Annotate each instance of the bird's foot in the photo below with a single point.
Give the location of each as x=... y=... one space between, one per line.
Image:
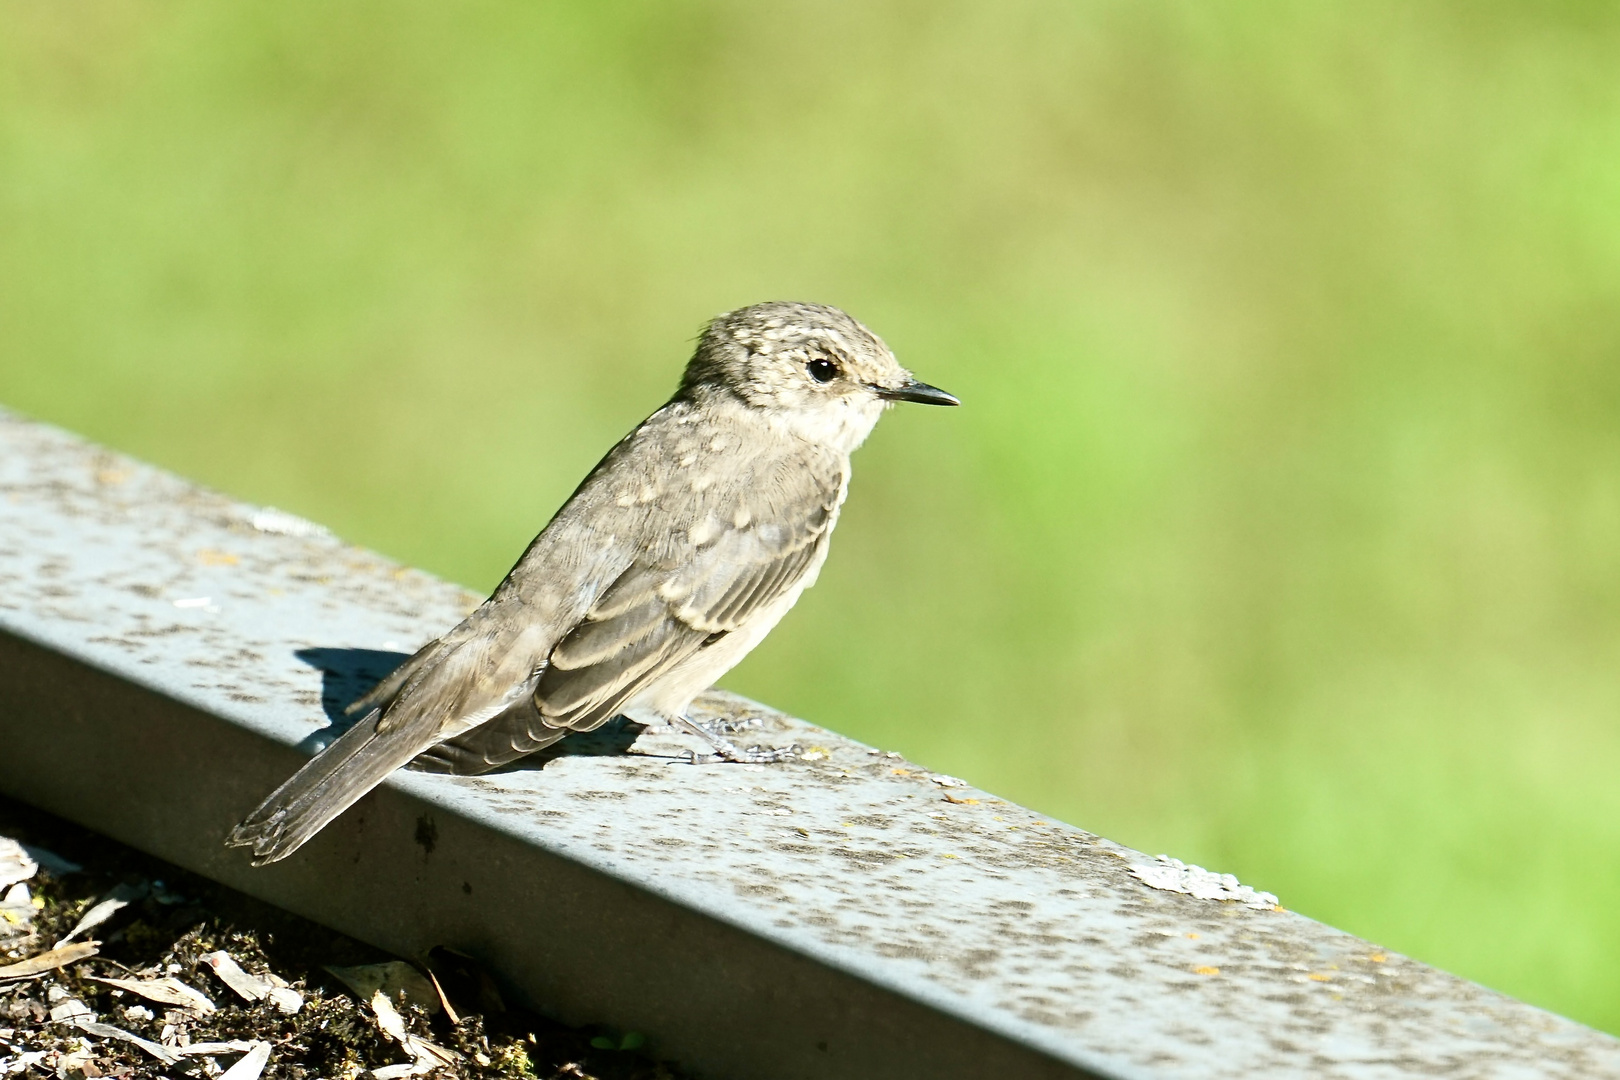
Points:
x=715 y=732
x=754 y=755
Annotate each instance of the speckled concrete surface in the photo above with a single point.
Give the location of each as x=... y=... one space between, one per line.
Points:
x=845 y=915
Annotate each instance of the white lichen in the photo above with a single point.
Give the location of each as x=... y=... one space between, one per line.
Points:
x=270 y=520
x=1173 y=875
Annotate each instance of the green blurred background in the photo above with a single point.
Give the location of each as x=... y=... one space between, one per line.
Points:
x=1281 y=528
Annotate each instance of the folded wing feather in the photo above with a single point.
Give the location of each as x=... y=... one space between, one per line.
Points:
x=657 y=613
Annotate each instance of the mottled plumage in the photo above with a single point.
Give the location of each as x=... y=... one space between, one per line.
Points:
x=675 y=557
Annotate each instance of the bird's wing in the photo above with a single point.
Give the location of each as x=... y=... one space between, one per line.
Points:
x=735 y=552
x=653 y=618
x=744 y=548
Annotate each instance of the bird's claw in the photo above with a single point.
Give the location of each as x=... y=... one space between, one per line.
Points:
x=714 y=733
x=754 y=755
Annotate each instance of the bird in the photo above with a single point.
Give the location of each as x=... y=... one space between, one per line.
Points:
x=670 y=562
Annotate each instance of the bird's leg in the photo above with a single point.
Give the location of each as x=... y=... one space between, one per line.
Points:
x=726 y=750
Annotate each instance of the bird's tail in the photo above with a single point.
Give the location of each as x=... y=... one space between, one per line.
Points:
x=325 y=787
x=469 y=676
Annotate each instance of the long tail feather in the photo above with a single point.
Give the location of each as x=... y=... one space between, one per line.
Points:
x=468 y=677
x=325 y=787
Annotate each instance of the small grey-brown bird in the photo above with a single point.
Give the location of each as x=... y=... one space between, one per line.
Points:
x=674 y=558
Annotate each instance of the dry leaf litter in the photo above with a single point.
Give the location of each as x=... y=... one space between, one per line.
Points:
x=114 y=964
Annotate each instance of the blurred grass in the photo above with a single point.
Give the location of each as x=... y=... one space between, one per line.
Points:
x=1281 y=530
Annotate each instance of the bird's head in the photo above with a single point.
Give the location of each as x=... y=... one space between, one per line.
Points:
x=812 y=367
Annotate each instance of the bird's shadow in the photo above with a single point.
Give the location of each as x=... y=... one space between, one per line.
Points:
x=347 y=674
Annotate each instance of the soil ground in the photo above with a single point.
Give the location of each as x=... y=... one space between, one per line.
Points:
x=181 y=917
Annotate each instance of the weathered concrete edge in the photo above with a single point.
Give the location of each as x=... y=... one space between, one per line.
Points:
x=94 y=547
x=701 y=974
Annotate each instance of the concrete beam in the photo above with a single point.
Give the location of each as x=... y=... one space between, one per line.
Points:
x=167 y=655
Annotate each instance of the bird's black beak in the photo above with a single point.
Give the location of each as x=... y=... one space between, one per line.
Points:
x=920 y=392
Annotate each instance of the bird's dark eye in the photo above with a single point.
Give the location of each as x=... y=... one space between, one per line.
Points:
x=822 y=370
